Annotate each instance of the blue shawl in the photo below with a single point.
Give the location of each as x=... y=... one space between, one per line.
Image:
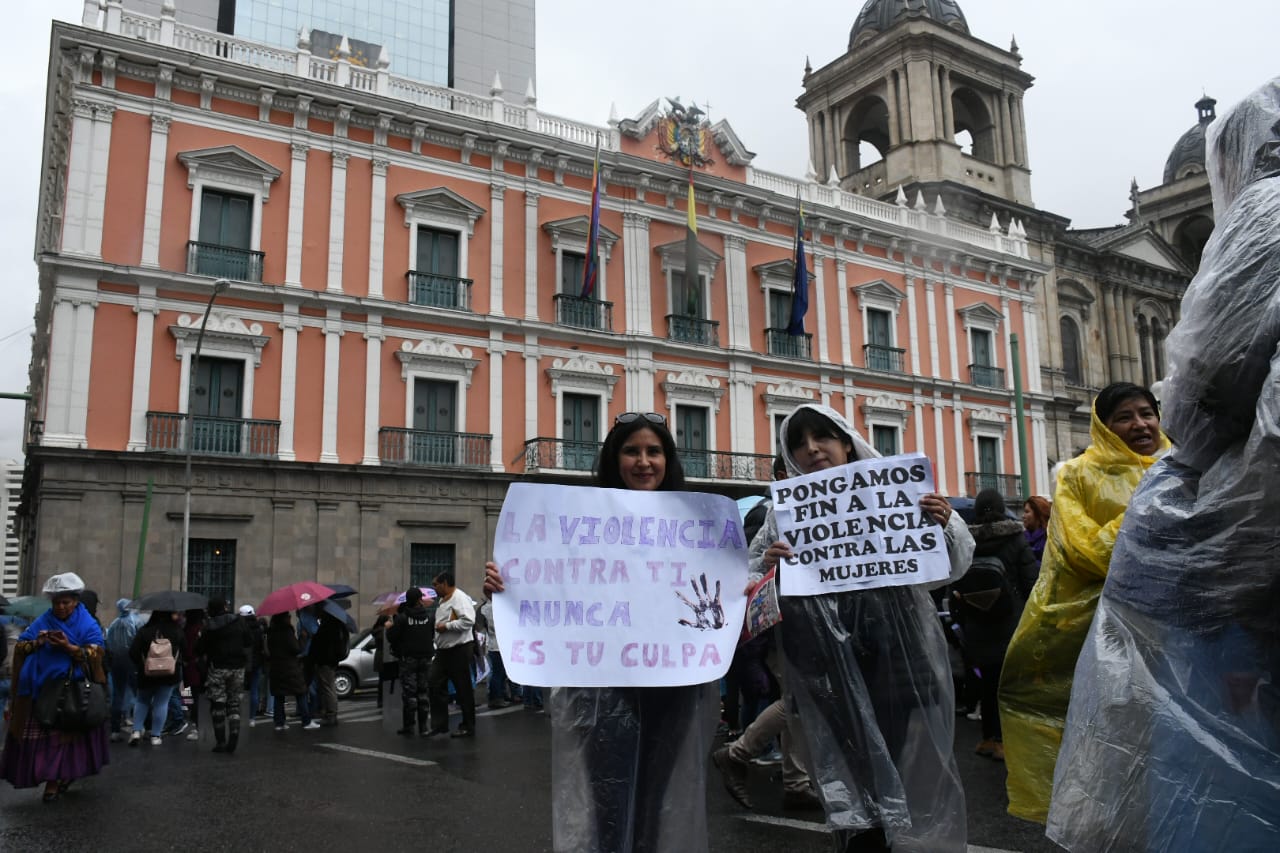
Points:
x=49 y=662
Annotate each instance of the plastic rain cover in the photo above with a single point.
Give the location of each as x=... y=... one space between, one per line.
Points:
x=870 y=678
x=1173 y=736
x=629 y=768
x=1089 y=502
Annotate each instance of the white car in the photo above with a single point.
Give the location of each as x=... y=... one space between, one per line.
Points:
x=356 y=672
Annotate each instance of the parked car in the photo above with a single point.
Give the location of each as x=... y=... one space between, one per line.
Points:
x=355 y=672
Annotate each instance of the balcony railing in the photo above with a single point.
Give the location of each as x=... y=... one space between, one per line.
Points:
x=584 y=313
x=554 y=454
x=439 y=291
x=400 y=446
x=1008 y=485
x=692 y=330
x=887 y=359
x=223 y=262
x=243 y=437
x=788 y=345
x=986 y=375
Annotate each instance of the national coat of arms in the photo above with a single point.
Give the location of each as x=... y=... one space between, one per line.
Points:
x=684 y=135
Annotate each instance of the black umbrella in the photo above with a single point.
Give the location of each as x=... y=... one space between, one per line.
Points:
x=170 y=599
x=331 y=607
x=341 y=590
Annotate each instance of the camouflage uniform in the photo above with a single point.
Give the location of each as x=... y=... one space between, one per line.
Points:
x=224 y=688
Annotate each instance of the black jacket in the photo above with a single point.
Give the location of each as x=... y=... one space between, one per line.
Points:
x=257 y=642
x=225 y=642
x=158 y=624
x=331 y=642
x=413 y=634
x=986 y=641
x=284 y=665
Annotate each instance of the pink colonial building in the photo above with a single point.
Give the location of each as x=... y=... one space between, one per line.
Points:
x=398 y=330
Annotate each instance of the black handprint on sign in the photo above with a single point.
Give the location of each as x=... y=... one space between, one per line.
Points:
x=708 y=612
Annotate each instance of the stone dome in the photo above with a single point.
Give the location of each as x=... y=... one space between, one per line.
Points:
x=878 y=16
x=1187 y=156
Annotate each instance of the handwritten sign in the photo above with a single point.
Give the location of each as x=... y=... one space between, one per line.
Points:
x=606 y=587
x=859 y=526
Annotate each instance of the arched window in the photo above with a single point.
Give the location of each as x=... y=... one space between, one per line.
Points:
x=1071 y=365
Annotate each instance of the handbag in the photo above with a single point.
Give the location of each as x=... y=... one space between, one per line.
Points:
x=72 y=704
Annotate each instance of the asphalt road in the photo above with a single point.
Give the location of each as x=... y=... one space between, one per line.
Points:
x=355 y=787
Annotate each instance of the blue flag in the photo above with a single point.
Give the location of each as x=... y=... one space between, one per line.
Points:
x=800 y=284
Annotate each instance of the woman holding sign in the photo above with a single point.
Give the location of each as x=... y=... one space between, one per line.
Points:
x=629 y=763
x=869 y=673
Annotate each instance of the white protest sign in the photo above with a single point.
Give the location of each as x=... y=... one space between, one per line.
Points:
x=859 y=526
x=615 y=588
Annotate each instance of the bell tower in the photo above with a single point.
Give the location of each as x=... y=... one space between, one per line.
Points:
x=917 y=100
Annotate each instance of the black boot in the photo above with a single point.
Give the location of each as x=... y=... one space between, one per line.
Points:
x=406 y=720
x=423 y=721
x=233 y=735
x=219 y=735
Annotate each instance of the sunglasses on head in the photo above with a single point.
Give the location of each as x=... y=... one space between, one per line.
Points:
x=651 y=417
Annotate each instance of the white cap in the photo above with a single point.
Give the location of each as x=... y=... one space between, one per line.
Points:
x=63 y=583
x=246 y=609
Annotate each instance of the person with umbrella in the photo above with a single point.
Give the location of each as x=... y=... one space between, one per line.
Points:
x=328 y=647
x=63 y=640
x=284 y=667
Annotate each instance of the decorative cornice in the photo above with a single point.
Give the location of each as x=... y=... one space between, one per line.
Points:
x=786 y=394
x=436 y=355
x=694 y=384
x=580 y=373
x=223 y=331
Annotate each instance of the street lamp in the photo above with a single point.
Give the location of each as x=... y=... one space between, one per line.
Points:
x=218 y=287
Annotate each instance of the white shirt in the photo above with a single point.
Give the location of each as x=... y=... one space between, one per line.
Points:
x=457 y=613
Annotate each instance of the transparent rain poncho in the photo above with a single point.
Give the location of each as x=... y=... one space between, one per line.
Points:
x=1089 y=503
x=869 y=675
x=1172 y=742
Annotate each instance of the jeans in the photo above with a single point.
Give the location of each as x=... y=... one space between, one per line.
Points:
x=176 y=713
x=156 y=701
x=124 y=689
x=304 y=710
x=252 y=680
x=497 y=679
x=4 y=695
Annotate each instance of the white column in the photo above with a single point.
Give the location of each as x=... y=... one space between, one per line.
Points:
x=290 y=325
x=329 y=412
x=377 y=228
x=913 y=327
x=917 y=411
x=820 y=297
x=297 y=208
x=737 y=280
x=497 y=233
x=147 y=311
x=846 y=339
x=1008 y=345
x=1040 y=484
x=940 y=450
x=531 y=355
x=949 y=322
x=497 y=388
x=1031 y=326
x=531 y=258
x=957 y=412
x=742 y=417
x=931 y=315
x=337 y=220
x=79 y=163
x=635 y=273
x=95 y=207
x=157 y=157
x=373 y=338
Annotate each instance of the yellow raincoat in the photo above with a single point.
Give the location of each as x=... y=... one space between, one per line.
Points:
x=1035 y=685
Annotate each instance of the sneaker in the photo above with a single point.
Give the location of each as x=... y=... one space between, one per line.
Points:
x=463 y=731
x=769 y=759
x=975 y=715
x=734 y=772
x=135 y=738
x=116 y=737
x=155 y=741
x=801 y=799
x=194 y=734
x=252 y=722
x=279 y=728
x=178 y=729
x=311 y=726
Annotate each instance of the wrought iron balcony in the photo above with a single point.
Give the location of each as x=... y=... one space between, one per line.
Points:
x=1008 y=485
x=439 y=291
x=789 y=346
x=887 y=359
x=583 y=313
x=692 y=330
x=554 y=454
x=400 y=446
x=246 y=438
x=223 y=262
x=986 y=375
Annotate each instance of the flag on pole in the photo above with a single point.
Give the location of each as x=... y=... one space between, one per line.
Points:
x=591 y=268
x=800 y=282
x=691 y=283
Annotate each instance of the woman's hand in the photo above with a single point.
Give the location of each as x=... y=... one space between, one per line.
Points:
x=938 y=507
x=776 y=553
x=492 y=578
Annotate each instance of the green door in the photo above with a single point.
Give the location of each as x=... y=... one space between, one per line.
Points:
x=226 y=228
x=581 y=431
x=434 y=422
x=216 y=406
x=691 y=440
x=436 y=283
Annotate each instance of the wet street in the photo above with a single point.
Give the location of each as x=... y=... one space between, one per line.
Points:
x=355 y=787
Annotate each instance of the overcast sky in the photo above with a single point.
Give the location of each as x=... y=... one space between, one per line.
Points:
x=1116 y=81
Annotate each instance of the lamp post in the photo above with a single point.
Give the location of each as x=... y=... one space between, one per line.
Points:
x=218 y=287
